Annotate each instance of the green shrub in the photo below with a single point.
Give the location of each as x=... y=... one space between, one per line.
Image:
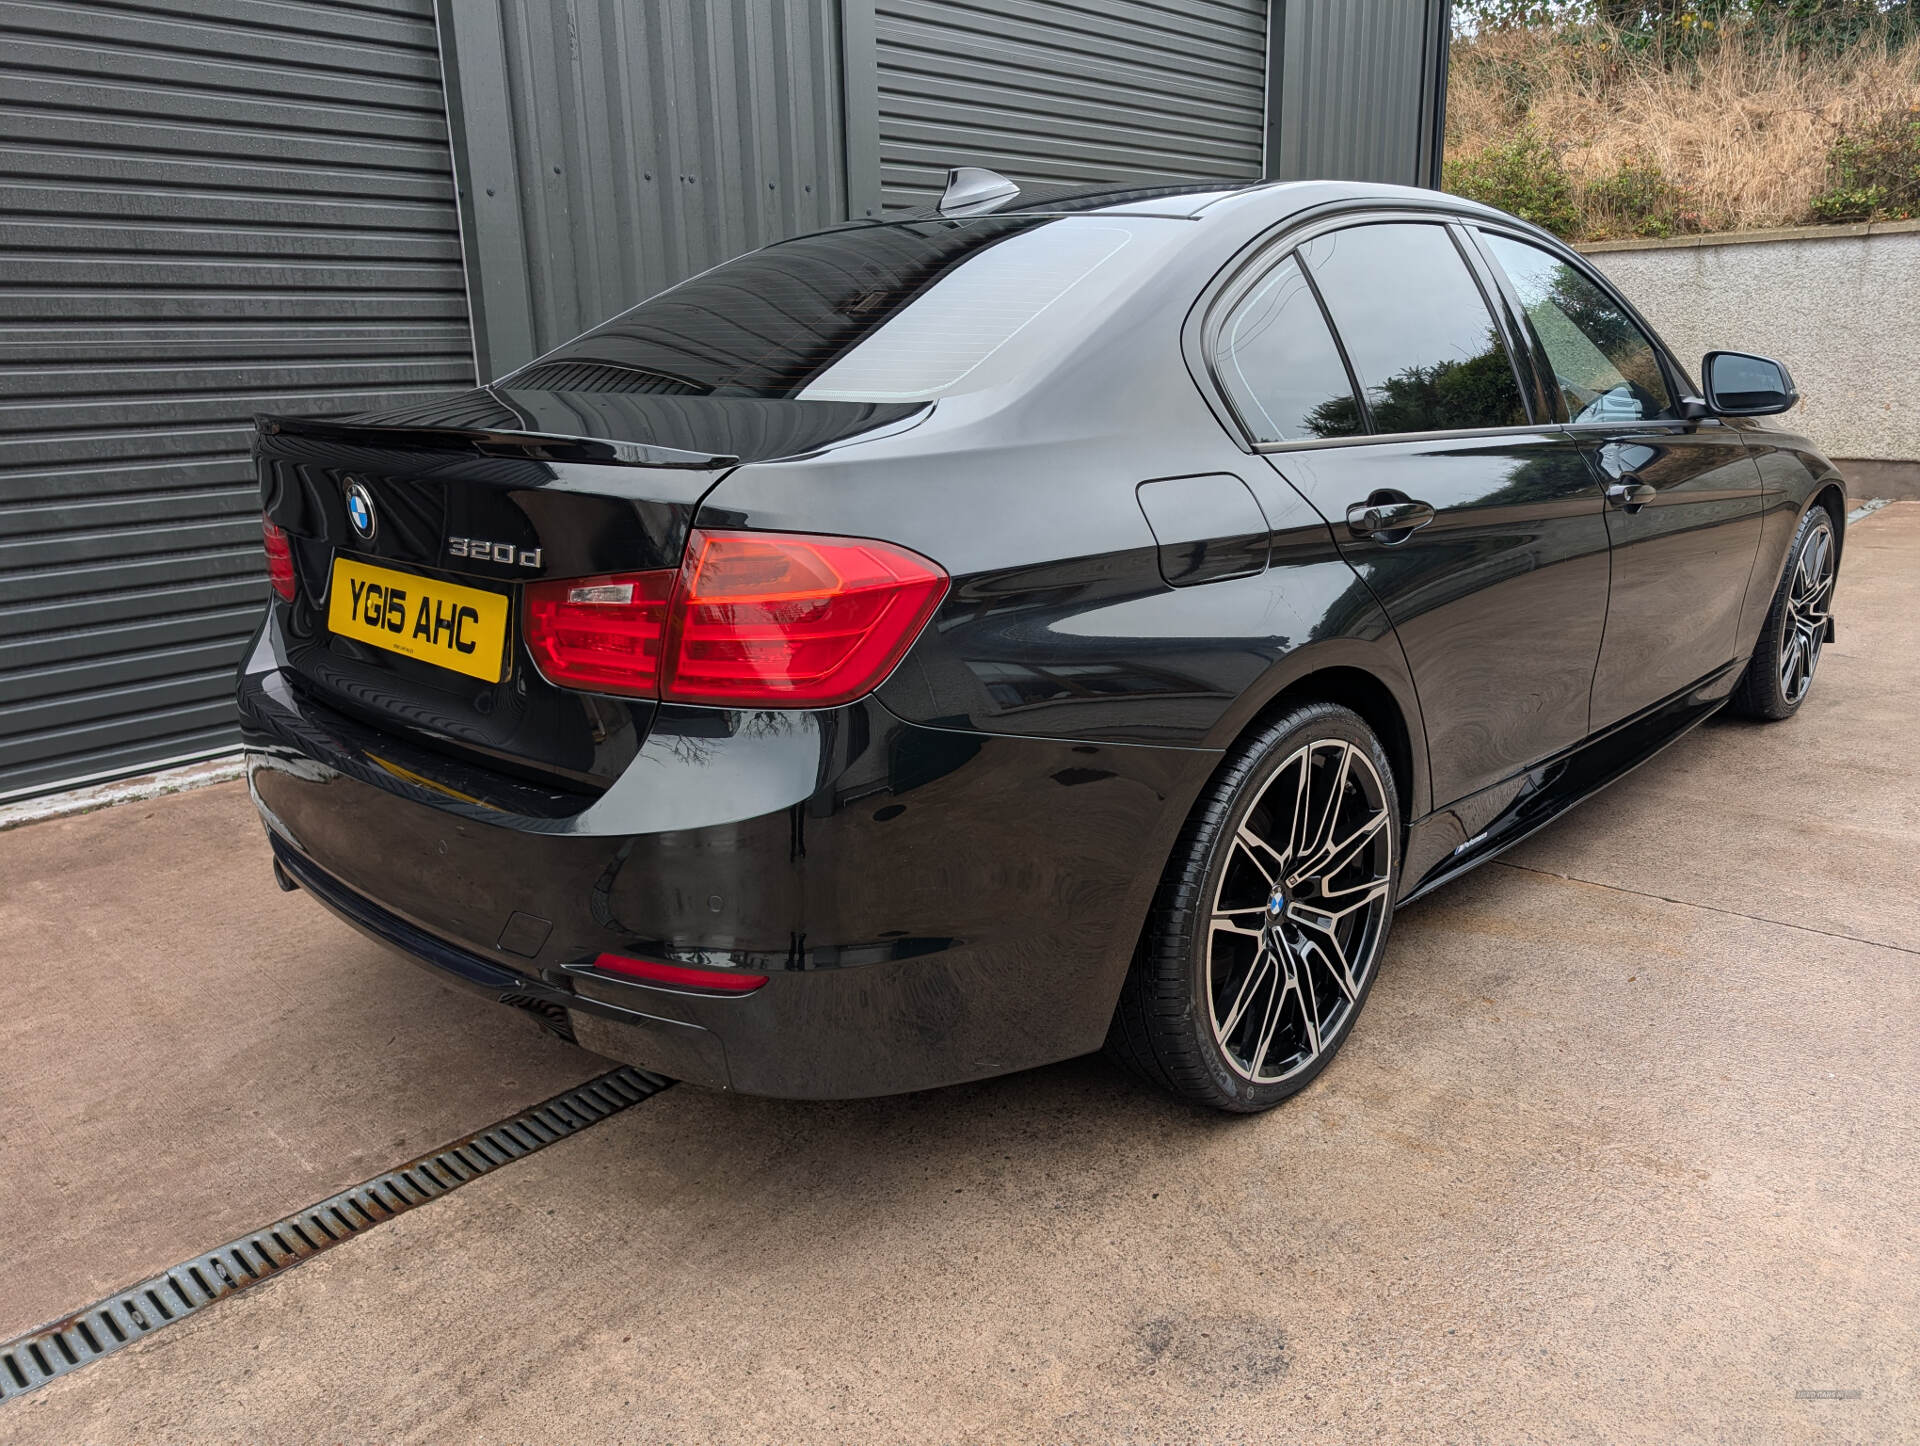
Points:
x=1840 y=204
x=1523 y=176
x=1873 y=172
x=1671 y=32
x=1638 y=199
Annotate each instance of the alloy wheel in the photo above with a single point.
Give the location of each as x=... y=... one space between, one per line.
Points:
x=1809 y=601
x=1299 y=912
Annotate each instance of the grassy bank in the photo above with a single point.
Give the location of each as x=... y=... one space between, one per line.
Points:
x=1595 y=136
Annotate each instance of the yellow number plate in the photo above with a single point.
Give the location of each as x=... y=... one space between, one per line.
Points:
x=463 y=628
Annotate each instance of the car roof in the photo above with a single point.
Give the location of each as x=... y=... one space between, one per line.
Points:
x=1194 y=200
x=1134 y=197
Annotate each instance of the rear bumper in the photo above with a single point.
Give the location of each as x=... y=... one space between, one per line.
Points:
x=929 y=905
x=684 y=1051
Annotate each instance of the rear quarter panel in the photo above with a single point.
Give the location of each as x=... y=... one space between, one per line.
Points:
x=1059 y=622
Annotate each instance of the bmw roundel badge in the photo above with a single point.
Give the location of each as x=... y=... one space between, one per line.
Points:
x=360 y=510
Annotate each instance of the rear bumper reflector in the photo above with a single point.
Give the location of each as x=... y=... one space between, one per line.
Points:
x=678 y=976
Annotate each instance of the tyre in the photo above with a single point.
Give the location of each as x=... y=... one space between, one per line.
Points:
x=1270 y=920
x=1780 y=672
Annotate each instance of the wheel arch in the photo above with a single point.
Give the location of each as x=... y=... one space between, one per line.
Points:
x=1829 y=493
x=1360 y=691
x=1832 y=495
x=1367 y=676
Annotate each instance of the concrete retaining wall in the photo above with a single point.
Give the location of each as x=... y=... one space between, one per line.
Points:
x=1840 y=305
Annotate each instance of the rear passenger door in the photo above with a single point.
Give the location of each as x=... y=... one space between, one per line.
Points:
x=1409 y=426
x=1683 y=495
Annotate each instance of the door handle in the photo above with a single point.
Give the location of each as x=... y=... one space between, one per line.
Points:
x=1387 y=522
x=1629 y=496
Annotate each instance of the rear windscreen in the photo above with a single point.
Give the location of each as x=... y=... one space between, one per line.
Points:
x=898 y=312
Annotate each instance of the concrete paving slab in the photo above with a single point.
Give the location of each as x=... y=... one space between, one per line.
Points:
x=190 y=1053
x=1603 y=1162
x=1593 y=1168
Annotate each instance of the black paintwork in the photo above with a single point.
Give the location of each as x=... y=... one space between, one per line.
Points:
x=1680 y=561
x=947 y=879
x=1499 y=602
x=912 y=891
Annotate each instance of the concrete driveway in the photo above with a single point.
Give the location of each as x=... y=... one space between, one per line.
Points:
x=1622 y=1150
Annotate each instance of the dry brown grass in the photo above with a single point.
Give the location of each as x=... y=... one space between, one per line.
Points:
x=1744 y=125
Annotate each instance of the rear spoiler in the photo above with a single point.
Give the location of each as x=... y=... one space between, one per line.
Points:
x=493 y=442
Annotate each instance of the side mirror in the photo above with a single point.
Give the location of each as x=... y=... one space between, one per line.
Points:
x=1739 y=385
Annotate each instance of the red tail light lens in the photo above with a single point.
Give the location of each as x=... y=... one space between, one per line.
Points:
x=679 y=976
x=751 y=619
x=791 y=620
x=279 y=557
x=600 y=634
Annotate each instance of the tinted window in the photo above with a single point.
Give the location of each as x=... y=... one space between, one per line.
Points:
x=1416 y=329
x=1607 y=369
x=974 y=310
x=931 y=301
x=1277 y=360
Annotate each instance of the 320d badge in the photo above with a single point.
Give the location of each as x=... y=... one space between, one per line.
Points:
x=954 y=642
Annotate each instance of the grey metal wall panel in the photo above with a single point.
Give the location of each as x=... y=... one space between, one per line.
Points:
x=609 y=149
x=208 y=209
x=1071 y=91
x=1360 y=89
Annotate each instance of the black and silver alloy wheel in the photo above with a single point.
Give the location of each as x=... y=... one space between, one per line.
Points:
x=1780 y=672
x=1809 y=598
x=1303 y=893
x=1271 y=917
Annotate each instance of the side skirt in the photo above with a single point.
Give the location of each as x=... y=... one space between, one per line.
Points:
x=1449 y=841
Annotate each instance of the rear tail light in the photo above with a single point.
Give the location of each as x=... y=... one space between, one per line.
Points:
x=279 y=557
x=601 y=634
x=750 y=619
x=679 y=976
x=779 y=618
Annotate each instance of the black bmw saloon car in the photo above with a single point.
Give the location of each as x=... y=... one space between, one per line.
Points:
x=954 y=642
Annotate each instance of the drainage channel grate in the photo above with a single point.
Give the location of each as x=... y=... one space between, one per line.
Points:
x=31 y=1360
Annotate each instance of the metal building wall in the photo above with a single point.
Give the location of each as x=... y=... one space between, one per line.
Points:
x=208 y=209
x=609 y=149
x=1068 y=91
x=213 y=208
x=1359 y=90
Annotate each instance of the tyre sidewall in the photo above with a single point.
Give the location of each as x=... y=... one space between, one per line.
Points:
x=1763 y=696
x=1262 y=758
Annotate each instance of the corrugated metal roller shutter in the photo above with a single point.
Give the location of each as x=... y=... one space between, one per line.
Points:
x=1044 y=90
x=1360 y=90
x=211 y=208
x=644 y=142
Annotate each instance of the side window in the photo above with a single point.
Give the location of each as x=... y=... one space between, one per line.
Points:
x=1607 y=369
x=1276 y=359
x=1416 y=328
